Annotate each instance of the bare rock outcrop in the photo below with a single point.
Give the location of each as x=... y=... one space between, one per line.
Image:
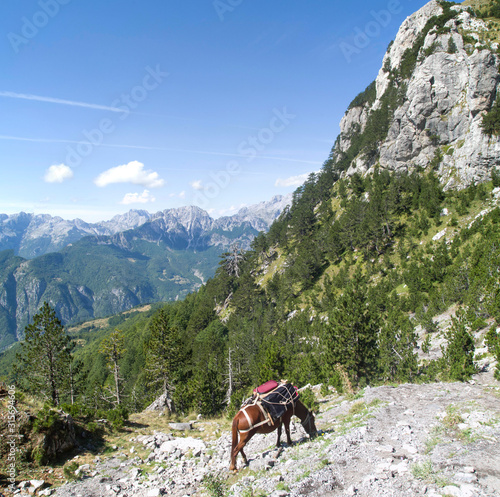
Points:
x=440 y=104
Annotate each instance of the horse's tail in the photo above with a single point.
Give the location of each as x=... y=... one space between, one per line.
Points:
x=234 y=430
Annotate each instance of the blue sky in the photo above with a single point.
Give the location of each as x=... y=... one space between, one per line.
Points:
x=154 y=104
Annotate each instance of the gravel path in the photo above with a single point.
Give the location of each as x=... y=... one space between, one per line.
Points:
x=409 y=440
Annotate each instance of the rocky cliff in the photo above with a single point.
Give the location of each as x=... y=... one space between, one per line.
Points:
x=439 y=78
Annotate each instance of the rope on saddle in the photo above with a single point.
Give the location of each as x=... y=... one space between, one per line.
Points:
x=288 y=396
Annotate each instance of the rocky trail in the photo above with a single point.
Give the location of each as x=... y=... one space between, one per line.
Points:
x=406 y=440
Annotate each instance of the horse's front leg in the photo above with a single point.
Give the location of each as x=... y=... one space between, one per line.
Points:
x=286 y=422
x=278 y=442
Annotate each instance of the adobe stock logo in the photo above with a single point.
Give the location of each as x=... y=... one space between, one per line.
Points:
x=223 y=6
x=362 y=37
x=248 y=150
x=31 y=27
x=122 y=106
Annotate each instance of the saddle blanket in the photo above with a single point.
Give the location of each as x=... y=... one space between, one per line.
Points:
x=280 y=400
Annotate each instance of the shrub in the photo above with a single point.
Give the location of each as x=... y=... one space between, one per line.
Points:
x=215 y=485
x=117 y=416
x=308 y=398
x=69 y=470
x=46 y=418
x=491 y=120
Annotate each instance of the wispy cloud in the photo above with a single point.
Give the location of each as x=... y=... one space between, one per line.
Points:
x=133 y=172
x=180 y=195
x=292 y=180
x=165 y=149
x=38 y=98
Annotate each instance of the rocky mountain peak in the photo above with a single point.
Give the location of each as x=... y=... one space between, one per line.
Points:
x=31 y=235
x=439 y=78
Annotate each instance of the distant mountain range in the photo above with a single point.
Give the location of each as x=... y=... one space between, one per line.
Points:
x=89 y=270
x=30 y=235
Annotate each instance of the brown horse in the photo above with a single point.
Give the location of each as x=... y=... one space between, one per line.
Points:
x=256 y=422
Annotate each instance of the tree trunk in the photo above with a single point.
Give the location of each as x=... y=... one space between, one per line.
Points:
x=117 y=384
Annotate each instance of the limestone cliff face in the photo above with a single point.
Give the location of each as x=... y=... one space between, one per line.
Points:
x=440 y=102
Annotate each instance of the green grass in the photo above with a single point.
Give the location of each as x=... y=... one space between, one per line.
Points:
x=425 y=471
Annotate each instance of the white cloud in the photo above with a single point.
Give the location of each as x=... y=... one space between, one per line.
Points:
x=292 y=181
x=133 y=172
x=58 y=173
x=178 y=195
x=138 y=198
x=197 y=185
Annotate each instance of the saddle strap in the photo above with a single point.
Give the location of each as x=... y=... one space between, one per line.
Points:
x=267 y=417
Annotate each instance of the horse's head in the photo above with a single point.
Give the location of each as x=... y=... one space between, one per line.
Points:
x=309 y=424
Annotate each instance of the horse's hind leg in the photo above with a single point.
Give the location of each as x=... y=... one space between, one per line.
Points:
x=286 y=422
x=278 y=441
x=243 y=455
x=239 y=449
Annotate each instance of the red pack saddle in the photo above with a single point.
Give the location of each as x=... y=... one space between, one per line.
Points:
x=266 y=387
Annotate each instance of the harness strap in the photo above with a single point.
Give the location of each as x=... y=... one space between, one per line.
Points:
x=244 y=411
x=267 y=419
x=254 y=426
x=265 y=413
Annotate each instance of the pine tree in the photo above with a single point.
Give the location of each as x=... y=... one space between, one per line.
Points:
x=163 y=355
x=397 y=340
x=272 y=365
x=43 y=362
x=351 y=333
x=458 y=357
x=113 y=349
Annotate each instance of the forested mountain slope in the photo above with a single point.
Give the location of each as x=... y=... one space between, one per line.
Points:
x=168 y=255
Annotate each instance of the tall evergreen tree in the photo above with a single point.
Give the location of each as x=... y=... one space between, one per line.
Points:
x=398 y=360
x=43 y=362
x=351 y=333
x=163 y=355
x=458 y=357
x=113 y=349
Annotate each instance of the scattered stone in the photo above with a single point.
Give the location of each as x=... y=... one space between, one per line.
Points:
x=351 y=490
x=180 y=426
x=450 y=490
x=37 y=484
x=410 y=449
x=183 y=445
x=465 y=477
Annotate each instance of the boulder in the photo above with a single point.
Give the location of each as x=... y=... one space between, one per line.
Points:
x=180 y=426
x=184 y=445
